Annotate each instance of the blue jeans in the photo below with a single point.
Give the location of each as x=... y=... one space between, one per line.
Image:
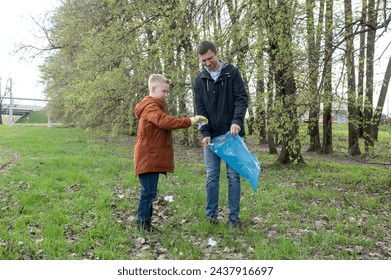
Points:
x=148 y=194
x=212 y=163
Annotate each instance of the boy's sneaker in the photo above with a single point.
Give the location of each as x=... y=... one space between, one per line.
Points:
x=145 y=226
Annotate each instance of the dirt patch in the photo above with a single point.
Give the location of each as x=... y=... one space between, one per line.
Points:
x=10 y=164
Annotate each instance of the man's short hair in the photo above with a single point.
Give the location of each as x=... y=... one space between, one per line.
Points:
x=204 y=46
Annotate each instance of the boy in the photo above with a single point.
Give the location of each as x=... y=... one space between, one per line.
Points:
x=153 y=152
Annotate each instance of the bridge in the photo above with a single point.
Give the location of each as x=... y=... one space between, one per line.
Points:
x=18 y=109
x=13 y=109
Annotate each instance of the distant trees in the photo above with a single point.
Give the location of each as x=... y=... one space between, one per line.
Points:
x=298 y=58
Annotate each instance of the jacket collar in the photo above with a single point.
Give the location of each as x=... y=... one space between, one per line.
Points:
x=206 y=75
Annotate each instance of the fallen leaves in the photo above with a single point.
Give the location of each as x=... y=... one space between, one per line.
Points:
x=76 y=187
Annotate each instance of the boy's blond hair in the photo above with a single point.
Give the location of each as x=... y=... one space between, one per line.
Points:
x=157 y=78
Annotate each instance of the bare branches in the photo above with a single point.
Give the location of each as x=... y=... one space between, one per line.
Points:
x=38 y=50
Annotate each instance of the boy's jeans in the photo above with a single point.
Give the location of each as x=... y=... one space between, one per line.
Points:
x=148 y=194
x=212 y=163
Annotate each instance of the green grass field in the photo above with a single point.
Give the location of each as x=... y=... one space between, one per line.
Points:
x=70 y=194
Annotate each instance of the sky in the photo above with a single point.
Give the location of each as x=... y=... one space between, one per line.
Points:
x=16 y=26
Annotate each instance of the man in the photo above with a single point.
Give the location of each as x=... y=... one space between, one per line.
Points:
x=221 y=97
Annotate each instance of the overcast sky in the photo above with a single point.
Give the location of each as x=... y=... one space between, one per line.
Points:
x=16 y=26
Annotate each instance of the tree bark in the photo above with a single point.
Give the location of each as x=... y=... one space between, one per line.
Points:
x=368 y=103
x=327 y=146
x=382 y=99
x=286 y=88
x=361 y=68
x=271 y=121
x=354 y=148
x=260 y=108
x=313 y=62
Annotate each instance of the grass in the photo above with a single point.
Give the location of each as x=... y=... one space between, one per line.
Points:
x=70 y=194
x=34 y=117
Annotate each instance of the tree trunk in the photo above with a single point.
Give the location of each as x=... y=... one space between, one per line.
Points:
x=1 y=108
x=313 y=62
x=327 y=147
x=361 y=68
x=271 y=120
x=291 y=147
x=368 y=104
x=260 y=112
x=382 y=99
x=286 y=87
x=271 y=115
x=354 y=148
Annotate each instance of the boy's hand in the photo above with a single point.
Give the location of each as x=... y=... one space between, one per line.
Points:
x=197 y=119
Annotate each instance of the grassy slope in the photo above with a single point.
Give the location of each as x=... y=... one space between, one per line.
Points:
x=34 y=117
x=72 y=195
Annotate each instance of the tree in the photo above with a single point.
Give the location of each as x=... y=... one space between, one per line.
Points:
x=353 y=148
x=382 y=99
x=368 y=102
x=327 y=145
x=313 y=52
x=361 y=67
x=285 y=83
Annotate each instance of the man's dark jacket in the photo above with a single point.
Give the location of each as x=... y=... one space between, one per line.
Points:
x=223 y=102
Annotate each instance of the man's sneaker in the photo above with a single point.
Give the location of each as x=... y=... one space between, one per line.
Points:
x=213 y=221
x=233 y=224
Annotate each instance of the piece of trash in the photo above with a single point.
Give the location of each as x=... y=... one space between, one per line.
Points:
x=201 y=124
x=169 y=198
x=212 y=242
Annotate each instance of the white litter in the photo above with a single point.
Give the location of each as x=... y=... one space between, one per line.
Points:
x=169 y=198
x=212 y=242
x=201 y=124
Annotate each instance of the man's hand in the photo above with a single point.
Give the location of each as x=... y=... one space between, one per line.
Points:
x=235 y=129
x=206 y=141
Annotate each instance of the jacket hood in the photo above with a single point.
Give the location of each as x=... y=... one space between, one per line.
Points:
x=206 y=72
x=147 y=100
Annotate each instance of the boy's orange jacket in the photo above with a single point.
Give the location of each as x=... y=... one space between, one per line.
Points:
x=154 y=150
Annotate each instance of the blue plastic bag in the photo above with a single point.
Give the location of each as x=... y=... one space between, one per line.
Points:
x=235 y=153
